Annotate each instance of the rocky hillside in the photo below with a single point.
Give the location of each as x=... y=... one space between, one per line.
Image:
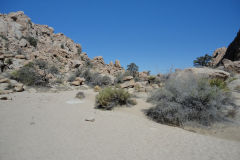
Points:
x=229 y=57
x=22 y=41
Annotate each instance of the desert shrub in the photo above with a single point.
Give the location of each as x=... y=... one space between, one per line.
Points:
x=8 y=61
x=109 y=98
x=62 y=46
x=4 y=37
x=53 y=70
x=218 y=83
x=42 y=64
x=79 y=51
x=237 y=88
x=103 y=81
x=120 y=76
x=88 y=64
x=31 y=40
x=80 y=95
x=132 y=68
x=202 y=61
x=28 y=75
x=189 y=99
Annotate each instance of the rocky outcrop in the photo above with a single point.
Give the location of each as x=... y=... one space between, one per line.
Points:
x=233 y=50
x=205 y=72
x=218 y=55
x=231 y=66
x=22 y=41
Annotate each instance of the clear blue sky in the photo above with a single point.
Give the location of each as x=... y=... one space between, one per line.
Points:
x=155 y=34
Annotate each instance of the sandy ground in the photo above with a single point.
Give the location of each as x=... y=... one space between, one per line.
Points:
x=52 y=126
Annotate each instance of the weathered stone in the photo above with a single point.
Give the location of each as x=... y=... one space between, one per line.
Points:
x=205 y=72
x=80 y=95
x=75 y=83
x=128 y=84
x=23 y=43
x=128 y=78
x=19 y=87
x=4 y=80
x=81 y=80
x=218 y=55
x=20 y=56
x=117 y=63
x=231 y=66
x=5 y=98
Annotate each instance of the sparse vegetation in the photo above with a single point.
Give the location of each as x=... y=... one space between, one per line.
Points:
x=108 y=98
x=28 y=75
x=4 y=37
x=218 y=83
x=53 y=70
x=202 y=61
x=31 y=40
x=42 y=64
x=120 y=76
x=62 y=46
x=92 y=78
x=80 y=95
x=79 y=51
x=190 y=99
x=132 y=68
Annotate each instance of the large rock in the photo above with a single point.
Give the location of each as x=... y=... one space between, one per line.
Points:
x=128 y=84
x=75 y=83
x=218 y=55
x=205 y=72
x=127 y=78
x=231 y=66
x=233 y=50
x=19 y=87
x=117 y=63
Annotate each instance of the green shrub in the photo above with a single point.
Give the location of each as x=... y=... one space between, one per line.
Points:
x=188 y=99
x=79 y=51
x=28 y=75
x=53 y=70
x=120 y=76
x=218 y=83
x=42 y=64
x=109 y=98
x=4 y=37
x=31 y=40
x=8 y=61
x=62 y=46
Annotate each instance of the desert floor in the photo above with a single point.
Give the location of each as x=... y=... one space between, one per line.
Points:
x=53 y=126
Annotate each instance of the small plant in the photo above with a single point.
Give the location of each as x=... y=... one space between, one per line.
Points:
x=53 y=70
x=4 y=37
x=28 y=75
x=79 y=51
x=31 y=40
x=218 y=83
x=119 y=78
x=88 y=64
x=42 y=64
x=8 y=61
x=108 y=98
x=237 y=88
x=62 y=46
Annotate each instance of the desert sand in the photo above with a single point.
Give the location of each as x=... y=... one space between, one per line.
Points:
x=53 y=126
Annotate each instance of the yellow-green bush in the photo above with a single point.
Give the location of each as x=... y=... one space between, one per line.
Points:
x=111 y=97
x=218 y=83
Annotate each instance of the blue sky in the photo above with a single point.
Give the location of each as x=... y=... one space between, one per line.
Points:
x=154 y=34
